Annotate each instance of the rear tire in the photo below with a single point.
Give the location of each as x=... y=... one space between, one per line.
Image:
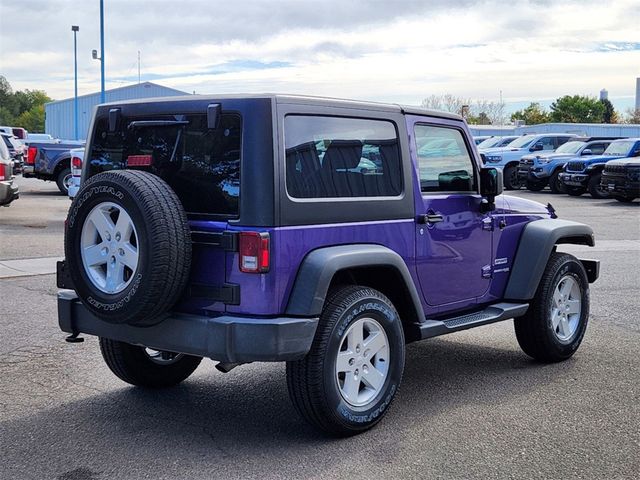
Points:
x=346 y=383
x=555 y=184
x=595 y=188
x=144 y=367
x=511 y=180
x=63 y=180
x=555 y=324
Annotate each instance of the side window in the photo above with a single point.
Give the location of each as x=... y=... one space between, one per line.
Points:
x=561 y=141
x=597 y=148
x=333 y=157
x=443 y=160
x=547 y=143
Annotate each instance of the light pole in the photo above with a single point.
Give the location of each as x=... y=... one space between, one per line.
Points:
x=74 y=29
x=94 y=53
x=101 y=51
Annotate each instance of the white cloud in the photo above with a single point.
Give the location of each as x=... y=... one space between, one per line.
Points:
x=382 y=50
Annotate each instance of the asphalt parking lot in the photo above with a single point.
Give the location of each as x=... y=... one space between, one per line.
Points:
x=472 y=405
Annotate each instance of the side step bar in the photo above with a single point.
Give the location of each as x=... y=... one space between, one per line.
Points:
x=491 y=314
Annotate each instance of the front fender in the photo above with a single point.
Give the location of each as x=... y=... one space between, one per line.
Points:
x=320 y=266
x=537 y=243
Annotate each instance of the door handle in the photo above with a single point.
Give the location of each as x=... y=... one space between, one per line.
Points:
x=430 y=218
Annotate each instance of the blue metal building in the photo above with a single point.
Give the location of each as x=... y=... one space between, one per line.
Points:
x=586 y=129
x=59 y=114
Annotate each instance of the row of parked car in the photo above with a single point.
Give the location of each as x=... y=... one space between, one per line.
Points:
x=35 y=155
x=567 y=163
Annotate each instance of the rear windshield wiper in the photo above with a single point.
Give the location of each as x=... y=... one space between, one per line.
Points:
x=156 y=123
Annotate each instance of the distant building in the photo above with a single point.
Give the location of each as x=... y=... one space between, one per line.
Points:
x=59 y=115
x=604 y=95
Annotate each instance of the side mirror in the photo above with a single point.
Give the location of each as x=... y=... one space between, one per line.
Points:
x=536 y=148
x=587 y=151
x=490 y=185
x=483 y=157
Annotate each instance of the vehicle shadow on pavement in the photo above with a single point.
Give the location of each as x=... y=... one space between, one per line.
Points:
x=246 y=415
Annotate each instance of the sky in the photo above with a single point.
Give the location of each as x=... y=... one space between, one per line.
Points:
x=383 y=50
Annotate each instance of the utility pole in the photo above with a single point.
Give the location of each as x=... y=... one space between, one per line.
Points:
x=138 y=66
x=74 y=29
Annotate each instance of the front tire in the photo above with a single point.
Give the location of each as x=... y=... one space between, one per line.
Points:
x=595 y=189
x=535 y=186
x=624 y=199
x=554 y=326
x=575 y=191
x=555 y=184
x=346 y=383
x=145 y=367
x=511 y=180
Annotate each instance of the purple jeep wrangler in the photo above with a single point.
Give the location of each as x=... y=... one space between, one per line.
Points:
x=324 y=233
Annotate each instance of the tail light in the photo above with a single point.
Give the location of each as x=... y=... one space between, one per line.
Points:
x=3 y=172
x=31 y=155
x=255 y=256
x=139 y=160
x=76 y=166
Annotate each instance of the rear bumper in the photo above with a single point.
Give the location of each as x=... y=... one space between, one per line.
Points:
x=225 y=338
x=8 y=192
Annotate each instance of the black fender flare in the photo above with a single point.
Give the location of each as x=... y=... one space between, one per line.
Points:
x=319 y=267
x=537 y=242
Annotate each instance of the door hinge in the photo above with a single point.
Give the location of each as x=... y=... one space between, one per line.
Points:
x=487 y=271
x=487 y=224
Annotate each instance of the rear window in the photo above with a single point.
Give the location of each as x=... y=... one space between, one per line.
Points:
x=202 y=165
x=334 y=157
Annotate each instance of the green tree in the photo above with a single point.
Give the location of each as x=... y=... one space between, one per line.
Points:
x=577 y=109
x=32 y=119
x=22 y=108
x=610 y=115
x=532 y=115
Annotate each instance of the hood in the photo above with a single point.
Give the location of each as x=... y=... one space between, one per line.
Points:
x=522 y=205
x=597 y=159
x=626 y=162
x=502 y=149
x=552 y=156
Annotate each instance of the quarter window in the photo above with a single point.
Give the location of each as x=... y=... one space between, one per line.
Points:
x=443 y=160
x=328 y=157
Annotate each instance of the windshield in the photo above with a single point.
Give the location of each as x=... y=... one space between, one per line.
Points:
x=489 y=142
x=570 y=147
x=496 y=142
x=522 y=142
x=618 y=148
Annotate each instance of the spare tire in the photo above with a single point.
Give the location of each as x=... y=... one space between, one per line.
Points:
x=128 y=247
